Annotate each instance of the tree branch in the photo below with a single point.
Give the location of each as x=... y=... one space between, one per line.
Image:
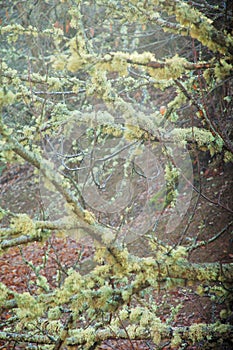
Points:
x=28 y=338
x=159 y=65
x=212 y=239
x=209 y=331
x=199 y=26
x=95 y=230
x=24 y=239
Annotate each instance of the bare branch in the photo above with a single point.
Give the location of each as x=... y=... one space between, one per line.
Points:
x=212 y=239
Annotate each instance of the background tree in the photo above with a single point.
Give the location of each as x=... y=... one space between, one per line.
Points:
x=123 y=108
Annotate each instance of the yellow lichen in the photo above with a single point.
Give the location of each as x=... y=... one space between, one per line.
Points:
x=176 y=339
x=89 y=217
x=197 y=332
x=22 y=223
x=7 y=97
x=28 y=307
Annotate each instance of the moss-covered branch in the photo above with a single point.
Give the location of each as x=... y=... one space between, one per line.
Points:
x=211 y=333
x=27 y=338
x=165 y=266
x=112 y=78
x=192 y=334
x=57 y=181
x=5 y=244
x=198 y=26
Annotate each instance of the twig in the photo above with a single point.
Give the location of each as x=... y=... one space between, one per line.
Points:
x=212 y=239
x=126 y=332
x=59 y=93
x=64 y=333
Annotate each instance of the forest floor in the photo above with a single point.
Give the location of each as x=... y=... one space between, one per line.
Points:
x=20 y=193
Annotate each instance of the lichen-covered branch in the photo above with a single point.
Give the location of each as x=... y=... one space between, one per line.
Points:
x=172 y=265
x=176 y=334
x=5 y=244
x=77 y=93
x=57 y=180
x=28 y=338
x=212 y=239
x=199 y=26
x=213 y=128
x=158 y=65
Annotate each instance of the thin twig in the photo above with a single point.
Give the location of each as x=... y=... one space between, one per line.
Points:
x=212 y=239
